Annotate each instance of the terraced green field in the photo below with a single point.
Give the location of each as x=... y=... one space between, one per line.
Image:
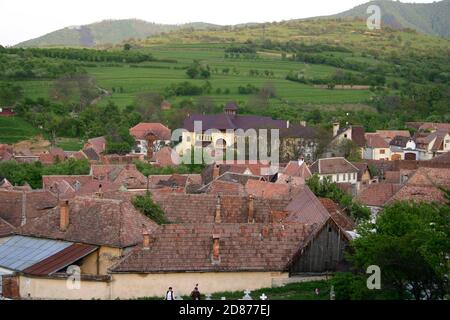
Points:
x=125 y=81
x=15 y=129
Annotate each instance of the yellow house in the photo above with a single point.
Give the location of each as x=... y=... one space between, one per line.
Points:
x=219 y=130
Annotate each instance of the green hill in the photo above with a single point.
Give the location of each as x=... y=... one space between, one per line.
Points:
x=105 y=33
x=429 y=18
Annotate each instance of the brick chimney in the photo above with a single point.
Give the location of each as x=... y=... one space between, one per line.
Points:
x=216 y=171
x=64 y=215
x=216 y=247
x=146 y=240
x=251 y=209
x=100 y=191
x=218 y=217
x=265 y=231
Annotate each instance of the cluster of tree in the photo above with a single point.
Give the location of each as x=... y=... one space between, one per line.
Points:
x=147 y=169
x=340 y=77
x=241 y=49
x=29 y=67
x=298 y=46
x=415 y=103
x=31 y=173
x=409 y=243
x=187 y=88
x=198 y=71
x=326 y=189
x=256 y=73
x=93 y=121
x=10 y=94
x=248 y=89
x=90 y=55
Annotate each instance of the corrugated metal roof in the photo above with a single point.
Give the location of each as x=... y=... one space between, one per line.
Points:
x=61 y=259
x=19 y=252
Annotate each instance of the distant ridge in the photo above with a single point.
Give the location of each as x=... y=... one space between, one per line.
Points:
x=429 y=18
x=106 y=32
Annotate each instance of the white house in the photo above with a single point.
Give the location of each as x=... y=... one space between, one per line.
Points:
x=338 y=170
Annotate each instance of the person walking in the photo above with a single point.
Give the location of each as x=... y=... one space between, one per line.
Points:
x=169 y=294
x=195 y=294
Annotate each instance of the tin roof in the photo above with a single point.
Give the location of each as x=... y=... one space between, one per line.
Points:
x=19 y=252
x=61 y=259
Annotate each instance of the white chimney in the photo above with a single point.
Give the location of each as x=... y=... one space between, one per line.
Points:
x=287 y=124
x=335 y=129
x=301 y=160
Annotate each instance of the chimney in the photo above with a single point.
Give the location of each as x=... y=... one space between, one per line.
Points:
x=265 y=231
x=216 y=171
x=301 y=160
x=100 y=191
x=218 y=218
x=303 y=123
x=251 y=209
x=64 y=218
x=216 y=247
x=335 y=128
x=146 y=240
x=287 y=124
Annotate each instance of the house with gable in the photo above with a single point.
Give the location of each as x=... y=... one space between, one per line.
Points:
x=150 y=138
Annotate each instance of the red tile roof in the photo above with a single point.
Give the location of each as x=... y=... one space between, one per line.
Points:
x=164 y=156
x=98 y=144
x=337 y=214
x=377 y=194
x=374 y=140
x=95 y=221
x=141 y=130
x=6 y=229
x=294 y=169
x=263 y=189
x=225 y=188
x=424 y=186
x=305 y=207
x=391 y=134
x=60 y=260
x=392 y=177
x=18 y=206
x=243 y=247
x=358 y=136
x=332 y=166
x=201 y=208
x=126 y=175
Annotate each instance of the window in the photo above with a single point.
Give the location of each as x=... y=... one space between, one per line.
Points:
x=348 y=177
x=337 y=177
x=382 y=151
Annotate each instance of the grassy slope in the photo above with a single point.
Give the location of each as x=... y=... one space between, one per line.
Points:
x=294 y=291
x=15 y=129
x=208 y=47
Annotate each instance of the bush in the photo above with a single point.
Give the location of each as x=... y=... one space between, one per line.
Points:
x=147 y=206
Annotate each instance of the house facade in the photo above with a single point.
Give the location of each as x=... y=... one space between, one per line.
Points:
x=155 y=135
x=218 y=132
x=338 y=170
